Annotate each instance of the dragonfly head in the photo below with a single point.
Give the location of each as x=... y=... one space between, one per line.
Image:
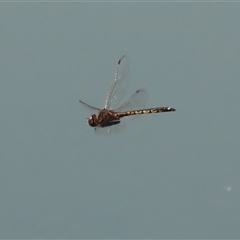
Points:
x=93 y=121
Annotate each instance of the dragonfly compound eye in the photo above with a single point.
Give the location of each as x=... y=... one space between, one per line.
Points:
x=92 y=121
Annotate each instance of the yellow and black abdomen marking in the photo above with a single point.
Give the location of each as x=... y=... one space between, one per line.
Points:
x=146 y=111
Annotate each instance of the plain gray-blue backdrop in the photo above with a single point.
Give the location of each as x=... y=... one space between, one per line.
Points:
x=169 y=175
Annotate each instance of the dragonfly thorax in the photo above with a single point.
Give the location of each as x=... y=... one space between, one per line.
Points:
x=104 y=118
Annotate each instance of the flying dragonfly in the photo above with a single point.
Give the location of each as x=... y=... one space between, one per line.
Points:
x=109 y=119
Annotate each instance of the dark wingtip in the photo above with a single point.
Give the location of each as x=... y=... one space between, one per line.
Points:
x=120 y=60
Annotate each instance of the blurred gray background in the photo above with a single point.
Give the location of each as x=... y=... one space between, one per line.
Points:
x=169 y=175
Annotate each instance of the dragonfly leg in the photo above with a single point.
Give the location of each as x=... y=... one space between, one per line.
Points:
x=111 y=123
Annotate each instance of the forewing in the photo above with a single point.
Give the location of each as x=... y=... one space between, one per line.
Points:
x=119 y=85
x=89 y=108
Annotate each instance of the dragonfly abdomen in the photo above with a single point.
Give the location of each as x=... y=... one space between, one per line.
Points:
x=146 y=111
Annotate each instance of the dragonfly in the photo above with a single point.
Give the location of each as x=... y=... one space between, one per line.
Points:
x=109 y=119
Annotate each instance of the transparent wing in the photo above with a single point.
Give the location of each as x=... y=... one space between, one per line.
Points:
x=119 y=85
x=89 y=107
x=137 y=101
x=112 y=130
